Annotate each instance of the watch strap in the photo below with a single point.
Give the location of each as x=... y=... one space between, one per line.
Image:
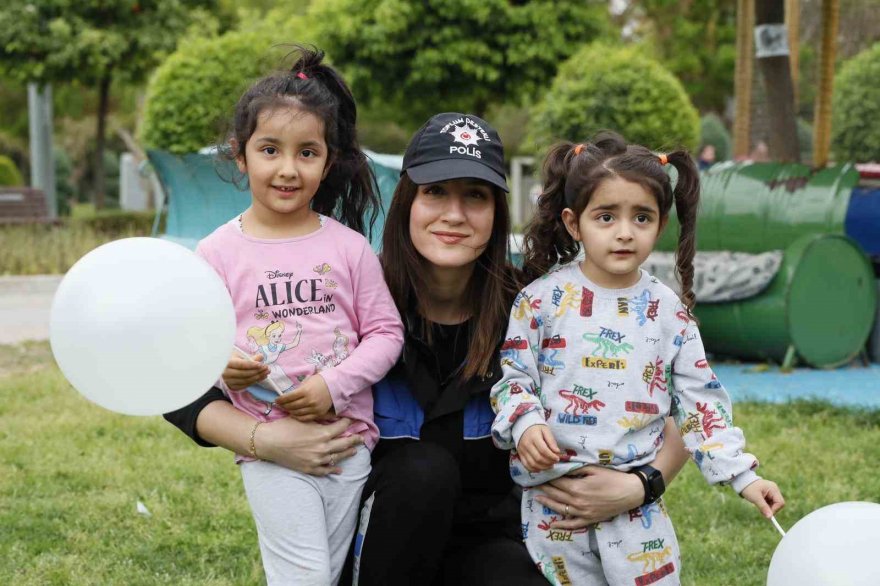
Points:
x=652 y=481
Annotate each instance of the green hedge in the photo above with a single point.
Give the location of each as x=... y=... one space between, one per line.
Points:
x=9 y=173
x=855 y=119
x=191 y=96
x=620 y=89
x=113 y=221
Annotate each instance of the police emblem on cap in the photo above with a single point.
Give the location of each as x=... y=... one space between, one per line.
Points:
x=468 y=133
x=465 y=135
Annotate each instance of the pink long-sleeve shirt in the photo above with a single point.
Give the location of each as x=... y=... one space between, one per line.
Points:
x=312 y=304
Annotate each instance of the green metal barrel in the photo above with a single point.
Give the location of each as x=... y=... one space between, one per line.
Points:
x=756 y=207
x=821 y=303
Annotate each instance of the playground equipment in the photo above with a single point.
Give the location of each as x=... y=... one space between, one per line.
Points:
x=201 y=193
x=819 y=307
x=822 y=302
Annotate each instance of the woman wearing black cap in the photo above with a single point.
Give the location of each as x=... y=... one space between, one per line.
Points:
x=439 y=505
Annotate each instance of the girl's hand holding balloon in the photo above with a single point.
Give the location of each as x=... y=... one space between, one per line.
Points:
x=765 y=495
x=310 y=401
x=243 y=371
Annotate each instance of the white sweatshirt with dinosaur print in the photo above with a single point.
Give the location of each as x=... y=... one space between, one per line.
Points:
x=603 y=368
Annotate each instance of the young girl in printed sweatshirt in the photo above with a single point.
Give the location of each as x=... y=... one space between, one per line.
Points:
x=599 y=352
x=311 y=305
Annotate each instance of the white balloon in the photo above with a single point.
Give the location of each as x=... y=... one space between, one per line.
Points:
x=142 y=326
x=832 y=546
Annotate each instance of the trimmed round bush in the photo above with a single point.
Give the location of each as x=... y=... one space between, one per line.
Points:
x=620 y=89
x=192 y=95
x=713 y=131
x=9 y=173
x=855 y=118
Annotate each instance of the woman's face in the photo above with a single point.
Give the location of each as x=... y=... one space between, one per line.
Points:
x=450 y=223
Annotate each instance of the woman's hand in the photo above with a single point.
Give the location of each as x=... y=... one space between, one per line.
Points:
x=241 y=373
x=594 y=495
x=310 y=448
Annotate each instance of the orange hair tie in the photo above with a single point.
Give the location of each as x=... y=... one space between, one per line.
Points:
x=663 y=159
x=578 y=149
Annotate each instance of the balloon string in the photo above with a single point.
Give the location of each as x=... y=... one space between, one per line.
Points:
x=776 y=524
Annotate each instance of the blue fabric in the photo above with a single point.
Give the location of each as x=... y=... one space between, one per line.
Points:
x=863 y=219
x=399 y=415
x=478 y=417
x=854 y=386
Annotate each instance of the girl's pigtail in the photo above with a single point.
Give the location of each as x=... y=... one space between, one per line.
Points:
x=687 y=200
x=350 y=178
x=546 y=241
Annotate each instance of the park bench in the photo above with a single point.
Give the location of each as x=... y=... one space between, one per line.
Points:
x=23 y=205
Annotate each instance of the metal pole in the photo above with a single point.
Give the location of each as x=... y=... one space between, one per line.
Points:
x=745 y=22
x=822 y=109
x=42 y=158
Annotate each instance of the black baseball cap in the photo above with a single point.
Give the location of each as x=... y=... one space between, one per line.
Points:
x=455 y=146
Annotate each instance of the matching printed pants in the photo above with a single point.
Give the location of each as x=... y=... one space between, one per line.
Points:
x=637 y=548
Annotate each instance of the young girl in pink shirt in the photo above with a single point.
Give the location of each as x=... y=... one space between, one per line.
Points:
x=313 y=312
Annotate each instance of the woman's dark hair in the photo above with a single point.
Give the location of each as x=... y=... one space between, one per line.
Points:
x=489 y=294
x=318 y=89
x=572 y=173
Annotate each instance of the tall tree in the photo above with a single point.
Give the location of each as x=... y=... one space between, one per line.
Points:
x=773 y=61
x=92 y=41
x=416 y=57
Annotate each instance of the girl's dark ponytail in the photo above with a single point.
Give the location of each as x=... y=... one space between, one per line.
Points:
x=687 y=200
x=546 y=241
x=350 y=178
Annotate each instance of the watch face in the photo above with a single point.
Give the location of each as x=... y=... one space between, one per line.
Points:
x=655 y=481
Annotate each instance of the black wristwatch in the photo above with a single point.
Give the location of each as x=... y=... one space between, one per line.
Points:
x=652 y=480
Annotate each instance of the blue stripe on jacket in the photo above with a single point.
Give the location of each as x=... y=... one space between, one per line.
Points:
x=398 y=415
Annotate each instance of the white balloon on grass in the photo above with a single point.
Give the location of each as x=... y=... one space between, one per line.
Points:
x=832 y=546
x=141 y=326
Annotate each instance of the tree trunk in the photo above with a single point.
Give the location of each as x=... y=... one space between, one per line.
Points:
x=745 y=19
x=103 y=106
x=776 y=72
x=822 y=115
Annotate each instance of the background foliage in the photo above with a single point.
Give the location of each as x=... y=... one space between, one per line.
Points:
x=620 y=89
x=713 y=131
x=457 y=55
x=191 y=96
x=9 y=173
x=856 y=111
x=696 y=41
x=208 y=76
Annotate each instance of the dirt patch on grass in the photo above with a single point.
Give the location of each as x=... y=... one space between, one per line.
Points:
x=25 y=357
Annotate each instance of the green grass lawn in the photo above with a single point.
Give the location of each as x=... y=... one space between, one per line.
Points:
x=71 y=474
